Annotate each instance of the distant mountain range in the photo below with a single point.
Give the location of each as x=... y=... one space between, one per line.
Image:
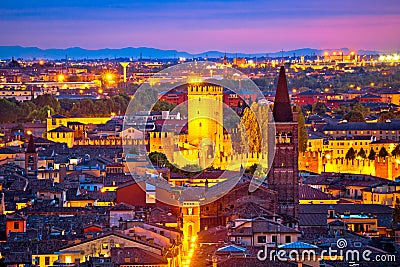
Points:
x=6 y=52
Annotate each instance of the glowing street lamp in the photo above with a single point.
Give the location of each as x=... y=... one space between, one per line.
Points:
x=60 y=78
x=109 y=77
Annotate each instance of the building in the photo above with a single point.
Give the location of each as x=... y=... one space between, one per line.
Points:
x=260 y=231
x=389 y=129
x=283 y=176
x=205 y=121
x=31 y=158
x=15 y=223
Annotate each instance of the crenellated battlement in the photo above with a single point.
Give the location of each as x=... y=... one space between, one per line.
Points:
x=195 y=89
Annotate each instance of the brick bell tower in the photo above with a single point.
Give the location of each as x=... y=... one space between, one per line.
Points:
x=31 y=158
x=283 y=176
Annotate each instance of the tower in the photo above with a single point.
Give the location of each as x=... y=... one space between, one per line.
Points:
x=190 y=213
x=205 y=121
x=124 y=65
x=31 y=157
x=283 y=176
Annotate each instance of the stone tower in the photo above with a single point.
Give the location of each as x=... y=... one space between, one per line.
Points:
x=205 y=121
x=190 y=214
x=31 y=158
x=283 y=176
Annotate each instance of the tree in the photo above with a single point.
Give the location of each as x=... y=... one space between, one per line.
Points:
x=192 y=168
x=351 y=154
x=250 y=128
x=143 y=99
x=24 y=109
x=40 y=114
x=358 y=107
x=7 y=111
x=387 y=115
x=254 y=128
x=306 y=109
x=354 y=116
x=302 y=132
x=383 y=153
x=158 y=158
x=251 y=169
x=396 y=151
x=47 y=100
x=319 y=108
x=372 y=154
x=163 y=106
x=362 y=154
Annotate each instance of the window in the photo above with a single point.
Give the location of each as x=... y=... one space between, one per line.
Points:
x=274 y=239
x=105 y=246
x=288 y=239
x=16 y=225
x=47 y=261
x=262 y=239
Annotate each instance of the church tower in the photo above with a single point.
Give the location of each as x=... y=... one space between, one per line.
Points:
x=283 y=176
x=205 y=121
x=190 y=214
x=31 y=158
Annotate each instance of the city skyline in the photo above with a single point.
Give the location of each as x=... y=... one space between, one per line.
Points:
x=197 y=26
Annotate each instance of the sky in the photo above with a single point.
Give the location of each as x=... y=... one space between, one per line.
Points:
x=251 y=26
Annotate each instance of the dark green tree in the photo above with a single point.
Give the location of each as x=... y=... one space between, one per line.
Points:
x=396 y=151
x=362 y=154
x=383 y=153
x=302 y=132
x=8 y=111
x=163 y=106
x=358 y=107
x=354 y=116
x=158 y=159
x=251 y=169
x=372 y=154
x=47 y=100
x=387 y=115
x=351 y=154
x=319 y=108
x=41 y=113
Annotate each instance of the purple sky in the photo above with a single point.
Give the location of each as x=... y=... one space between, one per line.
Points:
x=253 y=26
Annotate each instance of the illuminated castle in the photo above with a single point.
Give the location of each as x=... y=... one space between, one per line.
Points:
x=205 y=118
x=205 y=144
